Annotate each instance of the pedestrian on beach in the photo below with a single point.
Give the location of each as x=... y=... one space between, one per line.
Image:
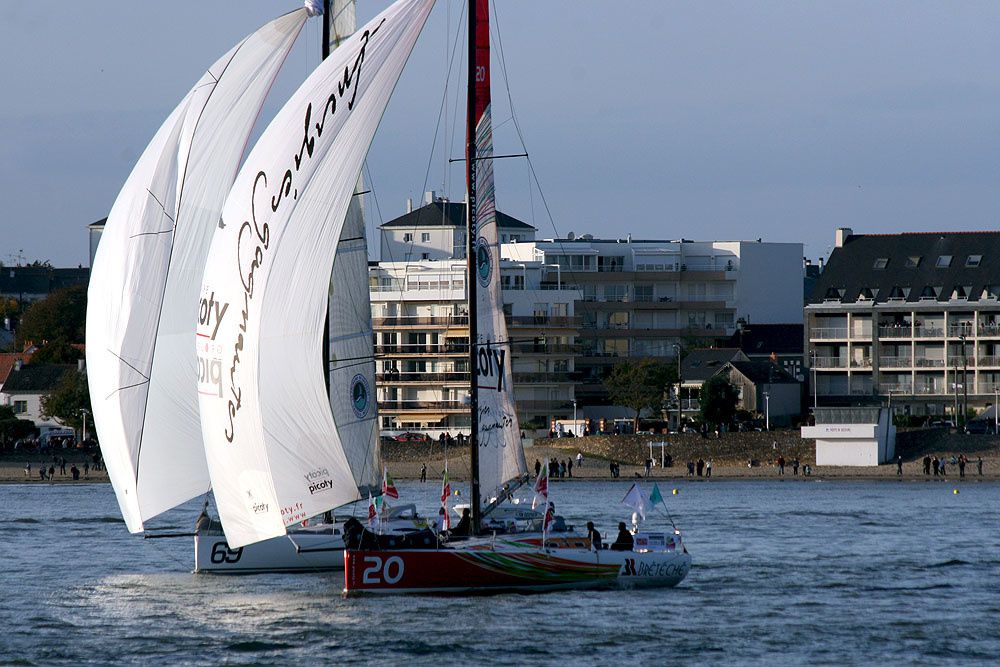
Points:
x=781 y=465
x=927 y=465
x=961 y=465
x=795 y=466
x=538 y=467
x=690 y=468
x=569 y=467
x=86 y=470
x=75 y=472
x=52 y=472
x=62 y=465
x=579 y=458
x=899 y=465
x=649 y=466
x=562 y=468
x=936 y=466
x=979 y=466
x=27 y=469
x=708 y=468
x=41 y=471
x=700 y=466
x=423 y=472
x=941 y=464
x=611 y=467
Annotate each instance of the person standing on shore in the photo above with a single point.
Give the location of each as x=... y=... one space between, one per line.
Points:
x=899 y=465
x=27 y=469
x=579 y=459
x=569 y=466
x=708 y=468
x=538 y=467
x=781 y=465
x=935 y=466
x=423 y=472
x=979 y=466
x=961 y=465
x=795 y=466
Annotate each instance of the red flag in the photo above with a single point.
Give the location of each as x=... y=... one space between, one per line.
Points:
x=372 y=512
x=445 y=493
x=541 y=486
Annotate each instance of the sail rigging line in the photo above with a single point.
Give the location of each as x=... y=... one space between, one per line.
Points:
x=180 y=199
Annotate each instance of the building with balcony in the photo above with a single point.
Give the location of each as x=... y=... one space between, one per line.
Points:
x=644 y=298
x=907 y=319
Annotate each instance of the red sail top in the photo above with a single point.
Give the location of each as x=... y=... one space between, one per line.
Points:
x=482 y=63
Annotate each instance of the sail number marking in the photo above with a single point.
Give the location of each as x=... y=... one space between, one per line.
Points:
x=221 y=553
x=378 y=570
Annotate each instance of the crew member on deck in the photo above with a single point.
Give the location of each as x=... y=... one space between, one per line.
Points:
x=464 y=526
x=624 y=540
x=594 y=536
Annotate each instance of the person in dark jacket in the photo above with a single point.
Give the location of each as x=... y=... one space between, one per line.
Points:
x=624 y=541
x=594 y=536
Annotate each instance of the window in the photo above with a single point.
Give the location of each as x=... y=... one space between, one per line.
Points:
x=615 y=292
x=514 y=238
x=881 y=263
x=943 y=262
x=643 y=293
x=20 y=407
x=408 y=237
x=913 y=261
x=425 y=237
x=973 y=260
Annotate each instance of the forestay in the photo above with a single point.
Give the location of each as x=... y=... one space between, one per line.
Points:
x=501 y=455
x=274 y=452
x=351 y=354
x=146 y=280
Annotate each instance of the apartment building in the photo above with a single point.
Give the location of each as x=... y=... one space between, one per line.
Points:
x=651 y=298
x=907 y=319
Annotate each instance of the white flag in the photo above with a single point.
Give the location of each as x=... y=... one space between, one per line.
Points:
x=637 y=500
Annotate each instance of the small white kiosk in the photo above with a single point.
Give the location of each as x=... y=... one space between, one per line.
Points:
x=852 y=436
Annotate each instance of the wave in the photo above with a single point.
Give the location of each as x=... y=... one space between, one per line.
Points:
x=24 y=519
x=951 y=563
x=254 y=645
x=99 y=519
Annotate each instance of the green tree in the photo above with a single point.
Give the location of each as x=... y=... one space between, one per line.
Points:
x=66 y=401
x=57 y=351
x=62 y=315
x=640 y=385
x=12 y=428
x=718 y=398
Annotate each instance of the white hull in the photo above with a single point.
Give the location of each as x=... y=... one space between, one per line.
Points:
x=315 y=553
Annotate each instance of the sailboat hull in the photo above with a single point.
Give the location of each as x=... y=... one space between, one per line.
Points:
x=302 y=552
x=473 y=570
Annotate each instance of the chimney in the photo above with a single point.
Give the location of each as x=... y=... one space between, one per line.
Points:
x=821 y=264
x=409 y=204
x=430 y=197
x=841 y=236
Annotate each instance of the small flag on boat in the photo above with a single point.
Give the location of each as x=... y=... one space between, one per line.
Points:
x=656 y=496
x=445 y=493
x=636 y=499
x=550 y=516
x=541 y=487
x=372 y=512
x=389 y=486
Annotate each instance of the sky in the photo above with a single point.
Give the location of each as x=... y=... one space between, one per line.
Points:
x=707 y=121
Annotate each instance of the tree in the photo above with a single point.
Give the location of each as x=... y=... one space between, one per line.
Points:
x=62 y=315
x=640 y=385
x=66 y=401
x=718 y=398
x=57 y=351
x=12 y=428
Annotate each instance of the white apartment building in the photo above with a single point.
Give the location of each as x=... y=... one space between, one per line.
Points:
x=907 y=319
x=643 y=298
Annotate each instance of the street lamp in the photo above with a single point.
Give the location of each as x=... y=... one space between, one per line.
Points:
x=680 y=418
x=84 y=412
x=767 y=410
x=965 y=382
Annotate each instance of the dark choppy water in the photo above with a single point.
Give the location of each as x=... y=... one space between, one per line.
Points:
x=788 y=572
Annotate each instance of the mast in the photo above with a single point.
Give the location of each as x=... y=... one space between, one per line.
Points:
x=470 y=281
x=325 y=53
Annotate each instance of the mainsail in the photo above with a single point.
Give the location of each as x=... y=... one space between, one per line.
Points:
x=501 y=455
x=351 y=352
x=274 y=453
x=146 y=280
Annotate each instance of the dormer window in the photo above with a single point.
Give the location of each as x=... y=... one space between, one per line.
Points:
x=833 y=294
x=960 y=293
x=897 y=293
x=943 y=261
x=880 y=263
x=929 y=293
x=913 y=261
x=867 y=294
x=972 y=261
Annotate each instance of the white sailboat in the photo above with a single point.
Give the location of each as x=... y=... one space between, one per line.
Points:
x=145 y=280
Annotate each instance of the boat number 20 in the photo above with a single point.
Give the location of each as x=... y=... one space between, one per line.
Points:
x=378 y=570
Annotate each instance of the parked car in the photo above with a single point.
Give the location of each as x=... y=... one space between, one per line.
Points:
x=411 y=437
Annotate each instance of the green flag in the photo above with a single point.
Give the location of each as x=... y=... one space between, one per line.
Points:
x=656 y=496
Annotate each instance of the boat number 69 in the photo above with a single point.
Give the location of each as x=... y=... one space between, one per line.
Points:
x=221 y=553
x=376 y=570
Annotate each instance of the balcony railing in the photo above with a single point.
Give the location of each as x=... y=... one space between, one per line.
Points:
x=928 y=332
x=895 y=362
x=895 y=388
x=545 y=348
x=989 y=330
x=545 y=378
x=989 y=361
x=828 y=333
x=958 y=361
x=929 y=390
x=543 y=321
x=401 y=406
x=421 y=321
x=444 y=350
x=956 y=330
x=864 y=362
x=830 y=362
x=690 y=404
x=895 y=332
x=928 y=362
x=426 y=378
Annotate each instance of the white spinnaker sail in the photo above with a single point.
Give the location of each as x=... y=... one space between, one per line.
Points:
x=274 y=453
x=501 y=454
x=351 y=353
x=146 y=280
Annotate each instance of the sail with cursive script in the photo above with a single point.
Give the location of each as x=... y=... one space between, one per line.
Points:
x=270 y=259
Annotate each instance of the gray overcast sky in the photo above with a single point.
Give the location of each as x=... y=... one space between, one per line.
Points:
x=723 y=120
